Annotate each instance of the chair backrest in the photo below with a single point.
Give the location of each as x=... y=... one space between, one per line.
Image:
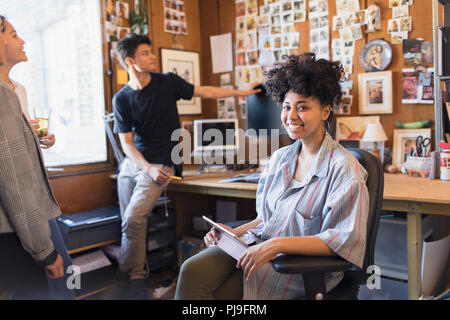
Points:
x=375 y=186
x=118 y=152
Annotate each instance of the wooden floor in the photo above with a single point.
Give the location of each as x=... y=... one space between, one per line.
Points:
x=161 y=286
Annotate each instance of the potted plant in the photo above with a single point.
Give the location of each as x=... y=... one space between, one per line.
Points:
x=139 y=18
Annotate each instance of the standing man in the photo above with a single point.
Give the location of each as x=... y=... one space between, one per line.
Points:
x=146 y=114
x=26 y=203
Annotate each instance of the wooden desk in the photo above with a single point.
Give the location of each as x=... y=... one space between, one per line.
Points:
x=413 y=195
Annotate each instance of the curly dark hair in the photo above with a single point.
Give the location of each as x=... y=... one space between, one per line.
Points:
x=308 y=76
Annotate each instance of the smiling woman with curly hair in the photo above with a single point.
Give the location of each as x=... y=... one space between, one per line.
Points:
x=309 y=77
x=312 y=198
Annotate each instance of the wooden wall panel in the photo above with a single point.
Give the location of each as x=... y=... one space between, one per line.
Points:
x=83 y=192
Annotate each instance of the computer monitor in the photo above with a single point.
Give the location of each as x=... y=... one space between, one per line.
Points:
x=220 y=135
x=263 y=113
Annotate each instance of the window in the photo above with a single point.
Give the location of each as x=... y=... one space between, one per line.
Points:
x=64 y=74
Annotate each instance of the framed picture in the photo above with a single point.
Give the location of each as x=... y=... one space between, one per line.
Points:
x=375 y=92
x=185 y=64
x=405 y=143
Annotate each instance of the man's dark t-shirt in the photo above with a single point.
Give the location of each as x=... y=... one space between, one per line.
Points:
x=152 y=114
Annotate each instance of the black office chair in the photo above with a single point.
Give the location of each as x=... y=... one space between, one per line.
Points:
x=313 y=268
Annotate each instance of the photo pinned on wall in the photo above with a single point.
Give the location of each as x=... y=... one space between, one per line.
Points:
x=285 y=40
x=346 y=34
x=356 y=32
x=264 y=10
x=418 y=86
x=256 y=74
x=240 y=42
x=252 y=57
x=275 y=30
x=276 y=42
x=338 y=23
x=318 y=8
x=264 y=39
x=111 y=32
x=251 y=41
x=122 y=32
x=413 y=59
x=346 y=86
x=294 y=40
x=278 y=55
x=241 y=25
x=299 y=11
x=345 y=6
x=263 y=21
x=398 y=37
x=110 y=10
x=345 y=106
x=412 y=50
x=288 y=28
x=276 y=20
x=427 y=52
x=288 y=17
x=286 y=5
x=225 y=80
x=175 y=17
x=300 y=16
x=406 y=24
x=412 y=45
x=226 y=108
x=252 y=7
x=397 y=3
x=400 y=11
x=240 y=59
x=240 y=8
x=251 y=23
x=275 y=8
x=122 y=10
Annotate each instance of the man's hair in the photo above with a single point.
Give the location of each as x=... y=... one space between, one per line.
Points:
x=307 y=76
x=126 y=48
x=3 y=19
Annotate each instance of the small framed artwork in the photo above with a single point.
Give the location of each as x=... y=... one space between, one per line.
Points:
x=185 y=64
x=375 y=92
x=405 y=144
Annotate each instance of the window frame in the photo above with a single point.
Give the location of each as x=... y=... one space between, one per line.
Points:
x=108 y=77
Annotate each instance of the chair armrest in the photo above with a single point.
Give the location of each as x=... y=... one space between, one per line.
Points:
x=291 y=264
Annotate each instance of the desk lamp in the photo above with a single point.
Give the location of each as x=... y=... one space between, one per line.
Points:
x=374 y=133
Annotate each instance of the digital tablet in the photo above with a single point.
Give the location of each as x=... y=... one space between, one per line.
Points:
x=228 y=242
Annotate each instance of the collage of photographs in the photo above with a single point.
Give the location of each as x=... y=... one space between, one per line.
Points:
x=418 y=79
x=226 y=107
x=319 y=34
x=247 y=68
x=175 y=17
x=349 y=23
x=401 y=22
x=117 y=23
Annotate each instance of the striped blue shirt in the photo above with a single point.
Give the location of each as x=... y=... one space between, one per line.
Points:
x=331 y=203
